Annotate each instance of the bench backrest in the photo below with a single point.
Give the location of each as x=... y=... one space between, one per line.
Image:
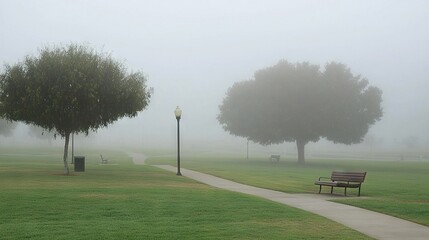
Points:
x=348 y=176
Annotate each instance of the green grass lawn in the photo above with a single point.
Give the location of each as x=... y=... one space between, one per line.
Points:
x=121 y=200
x=397 y=188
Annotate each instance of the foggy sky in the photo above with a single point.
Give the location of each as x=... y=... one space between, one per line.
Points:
x=193 y=51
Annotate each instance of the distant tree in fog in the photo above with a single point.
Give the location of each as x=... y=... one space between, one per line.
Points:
x=411 y=141
x=6 y=127
x=71 y=89
x=299 y=103
x=372 y=141
x=38 y=132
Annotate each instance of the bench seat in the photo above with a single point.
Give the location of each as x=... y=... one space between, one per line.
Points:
x=326 y=183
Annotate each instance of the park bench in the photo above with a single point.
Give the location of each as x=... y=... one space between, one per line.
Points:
x=342 y=179
x=103 y=160
x=274 y=158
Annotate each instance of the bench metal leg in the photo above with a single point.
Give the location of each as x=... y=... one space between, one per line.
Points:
x=359 y=192
x=345 y=191
x=320 y=188
x=332 y=189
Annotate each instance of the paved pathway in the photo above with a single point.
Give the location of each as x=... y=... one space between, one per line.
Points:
x=373 y=224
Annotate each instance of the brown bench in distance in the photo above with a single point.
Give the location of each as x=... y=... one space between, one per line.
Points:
x=342 y=179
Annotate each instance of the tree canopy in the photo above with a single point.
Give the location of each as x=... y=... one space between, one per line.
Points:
x=71 y=89
x=300 y=103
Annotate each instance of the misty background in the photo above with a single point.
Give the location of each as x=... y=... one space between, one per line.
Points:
x=193 y=51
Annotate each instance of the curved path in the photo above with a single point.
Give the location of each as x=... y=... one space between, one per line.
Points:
x=373 y=224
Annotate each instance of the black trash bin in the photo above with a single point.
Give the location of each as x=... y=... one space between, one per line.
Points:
x=79 y=164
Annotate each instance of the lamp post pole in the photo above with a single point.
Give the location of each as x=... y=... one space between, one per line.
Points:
x=247 y=149
x=178 y=114
x=72 y=161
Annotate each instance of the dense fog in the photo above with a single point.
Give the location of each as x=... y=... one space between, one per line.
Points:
x=193 y=51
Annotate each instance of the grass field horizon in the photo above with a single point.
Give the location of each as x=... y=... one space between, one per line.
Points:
x=109 y=198
x=120 y=200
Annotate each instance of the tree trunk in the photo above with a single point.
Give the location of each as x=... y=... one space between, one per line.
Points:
x=66 y=150
x=300 y=144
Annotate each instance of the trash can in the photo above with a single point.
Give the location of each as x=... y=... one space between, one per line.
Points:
x=79 y=164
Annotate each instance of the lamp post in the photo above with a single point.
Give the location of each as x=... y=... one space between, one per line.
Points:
x=72 y=148
x=247 y=149
x=178 y=113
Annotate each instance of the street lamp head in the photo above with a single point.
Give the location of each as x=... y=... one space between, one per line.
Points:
x=178 y=112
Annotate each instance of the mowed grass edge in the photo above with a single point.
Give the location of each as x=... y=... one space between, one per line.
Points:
x=121 y=200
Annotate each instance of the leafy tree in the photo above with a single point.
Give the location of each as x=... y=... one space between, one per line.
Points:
x=299 y=103
x=71 y=89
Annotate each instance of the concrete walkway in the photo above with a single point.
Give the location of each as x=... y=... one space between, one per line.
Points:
x=373 y=224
